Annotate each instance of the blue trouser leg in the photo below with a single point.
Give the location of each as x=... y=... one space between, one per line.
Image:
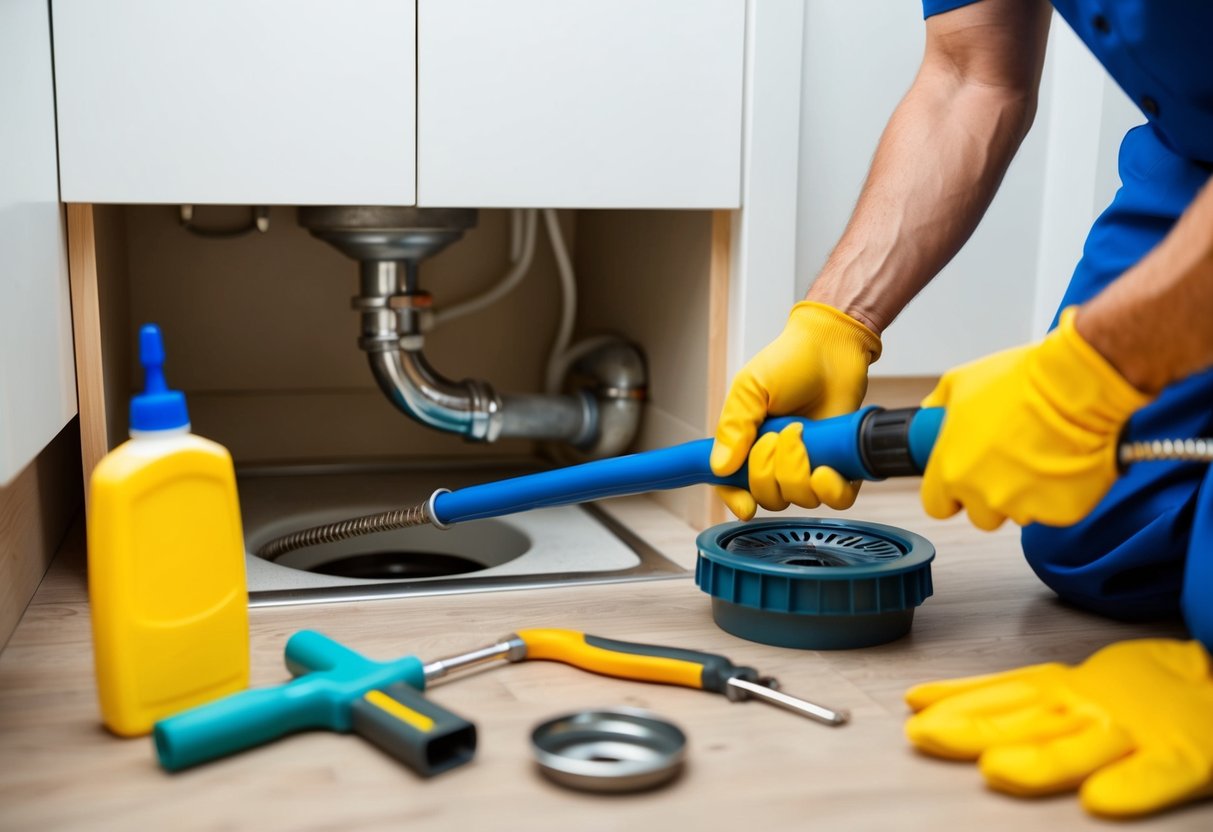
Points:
x=1196 y=598
x=1145 y=549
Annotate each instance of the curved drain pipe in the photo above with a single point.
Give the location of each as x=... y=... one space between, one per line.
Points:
x=394 y=316
x=599 y=420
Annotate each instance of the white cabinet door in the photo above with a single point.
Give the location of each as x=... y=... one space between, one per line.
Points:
x=37 y=370
x=232 y=101
x=580 y=103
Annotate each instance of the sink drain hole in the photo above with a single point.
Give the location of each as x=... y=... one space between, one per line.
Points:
x=397 y=565
x=410 y=554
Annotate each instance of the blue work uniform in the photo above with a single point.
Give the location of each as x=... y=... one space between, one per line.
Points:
x=1146 y=551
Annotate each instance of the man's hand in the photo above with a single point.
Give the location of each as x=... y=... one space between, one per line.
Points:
x=1131 y=728
x=818 y=367
x=1030 y=433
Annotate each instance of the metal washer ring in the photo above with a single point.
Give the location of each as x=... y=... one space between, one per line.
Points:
x=609 y=750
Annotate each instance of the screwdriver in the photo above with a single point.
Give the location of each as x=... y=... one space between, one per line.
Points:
x=640 y=662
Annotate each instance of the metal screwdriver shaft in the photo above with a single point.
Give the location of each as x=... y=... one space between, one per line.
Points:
x=818 y=713
x=510 y=650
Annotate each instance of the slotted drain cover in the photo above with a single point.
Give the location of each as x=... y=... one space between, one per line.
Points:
x=813 y=547
x=814 y=583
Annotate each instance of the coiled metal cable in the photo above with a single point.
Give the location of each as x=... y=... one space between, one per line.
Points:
x=399 y=518
x=1158 y=450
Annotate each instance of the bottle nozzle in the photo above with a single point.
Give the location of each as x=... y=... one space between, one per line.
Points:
x=157 y=407
x=151 y=356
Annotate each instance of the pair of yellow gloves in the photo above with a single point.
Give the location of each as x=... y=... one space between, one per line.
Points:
x=1030 y=435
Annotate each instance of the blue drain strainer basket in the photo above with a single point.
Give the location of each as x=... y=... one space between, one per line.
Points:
x=815 y=584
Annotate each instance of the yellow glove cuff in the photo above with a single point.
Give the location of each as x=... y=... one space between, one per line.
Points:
x=1080 y=383
x=832 y=326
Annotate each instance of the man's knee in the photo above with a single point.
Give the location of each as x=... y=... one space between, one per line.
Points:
x=1126 y=573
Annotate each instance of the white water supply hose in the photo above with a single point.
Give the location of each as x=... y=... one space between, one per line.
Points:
x=522 y=250
x=523 y=228
x=568 y=306
x=562 y=356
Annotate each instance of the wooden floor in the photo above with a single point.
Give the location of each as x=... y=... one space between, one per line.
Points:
x=750 y=766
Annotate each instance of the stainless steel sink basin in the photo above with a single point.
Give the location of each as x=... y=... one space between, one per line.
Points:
x=545 y=547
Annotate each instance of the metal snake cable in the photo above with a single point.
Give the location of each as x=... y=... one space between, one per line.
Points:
x=399 y=518
x=1158 y=450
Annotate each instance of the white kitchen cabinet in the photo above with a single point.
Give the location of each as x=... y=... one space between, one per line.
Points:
x=37 y=370
x=580 y=103
x=230 y=101
x=585 y=103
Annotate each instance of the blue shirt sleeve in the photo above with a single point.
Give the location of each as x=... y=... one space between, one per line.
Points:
x=932 y=7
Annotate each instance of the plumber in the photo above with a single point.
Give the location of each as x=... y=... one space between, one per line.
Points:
x=1031 y=432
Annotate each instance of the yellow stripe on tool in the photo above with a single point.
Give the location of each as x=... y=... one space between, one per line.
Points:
x=570 y=647
x=402 y=712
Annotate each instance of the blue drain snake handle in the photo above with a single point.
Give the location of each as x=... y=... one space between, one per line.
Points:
x=831 y=442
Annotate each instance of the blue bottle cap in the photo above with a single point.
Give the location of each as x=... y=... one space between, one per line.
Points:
x=157 y=407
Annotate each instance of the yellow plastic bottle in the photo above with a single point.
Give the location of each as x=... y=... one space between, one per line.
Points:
x=166 y=575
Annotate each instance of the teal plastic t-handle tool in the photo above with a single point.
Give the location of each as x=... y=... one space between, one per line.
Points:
x=335 y=689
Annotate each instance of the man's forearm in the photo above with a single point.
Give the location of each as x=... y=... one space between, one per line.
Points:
x=939 y=162
x=1154 y=322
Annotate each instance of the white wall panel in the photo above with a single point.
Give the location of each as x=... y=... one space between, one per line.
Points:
x=762 y=278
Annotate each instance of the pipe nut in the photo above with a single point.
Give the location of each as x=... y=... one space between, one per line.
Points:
x=383 y=342
x=362 y=303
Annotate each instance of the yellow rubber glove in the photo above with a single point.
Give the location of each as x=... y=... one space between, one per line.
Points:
x=816 y=368
x=1131 y=727
x=1030 y=433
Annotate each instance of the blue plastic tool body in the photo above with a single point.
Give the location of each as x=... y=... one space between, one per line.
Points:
x=834 y=443
x=331 y=678
x=924 y=430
